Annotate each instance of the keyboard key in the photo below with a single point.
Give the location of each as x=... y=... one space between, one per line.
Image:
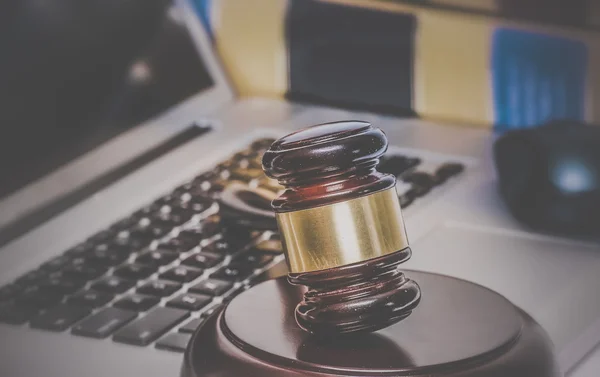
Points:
x=102 y=236
x=157 y=258
x=179 y=244
x=35 y=298
x=61 y=285
x=252 y=259
x=203 y=260
x=174 y=342
x=197 y=204
x=134 y=271
x=113 y=284
x=56 y=263
x=14 y=314
x=145 y=330
x=9 y=291
x=191 y=326
x=232 y=273
x=218 y=247
x=83 y=271
x=90 y=299
x=80 y=249
x=137 y=303
x=181 y=274
x=159 y=288
x=105 y=322
x=191 y=302
x=125 y=224
x=107 y=255
x=206 y=229
x=59 y=318
x=129 y=241
x=211 y=287
x=32 y=277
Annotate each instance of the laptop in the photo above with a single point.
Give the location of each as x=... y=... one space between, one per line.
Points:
x=114 y=255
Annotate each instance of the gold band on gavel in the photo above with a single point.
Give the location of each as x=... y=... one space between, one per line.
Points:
x=343 y=233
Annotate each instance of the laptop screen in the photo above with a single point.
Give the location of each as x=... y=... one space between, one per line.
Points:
x=74 y=74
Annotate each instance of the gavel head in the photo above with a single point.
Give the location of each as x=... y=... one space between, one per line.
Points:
x=342 y=228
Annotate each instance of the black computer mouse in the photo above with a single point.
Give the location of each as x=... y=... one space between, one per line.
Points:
x=549 y=176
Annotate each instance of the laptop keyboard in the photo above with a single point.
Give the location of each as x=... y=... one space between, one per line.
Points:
x=154 y=276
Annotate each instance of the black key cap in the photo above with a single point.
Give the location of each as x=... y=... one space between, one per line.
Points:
x=159 y=288
x=125 y=240
x=148 y=230
x=61 y=285
x=181 y=274
x=195 y=204
x=9 y=291
x=191 y=326
x=174 y=342
x=90 y=299
x=36 y=298
x=134 y=271
x=206 y=229
x=189 y=301
x=252 y=259
x=56 y=263
x=179 y=245
x=102 y=236
x=14 y=314
x=80 y=249
x=145 y=330
x=106 y=255
x=232 y=273
x=237 y=238
x=32 y=277
x=59 y=318
x=212 y=310
x=113 y=284
x=218 y=247
x=84 y=271
x=124 y=224
x=211 y=287
x=137 y=303
x=172 y=218
x=103 y=323
x=203 y=260
x=157 y=258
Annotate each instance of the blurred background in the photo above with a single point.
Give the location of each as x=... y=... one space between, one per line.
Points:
x=488 y=63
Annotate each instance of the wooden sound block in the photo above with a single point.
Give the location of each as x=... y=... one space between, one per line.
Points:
x=458 y=329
